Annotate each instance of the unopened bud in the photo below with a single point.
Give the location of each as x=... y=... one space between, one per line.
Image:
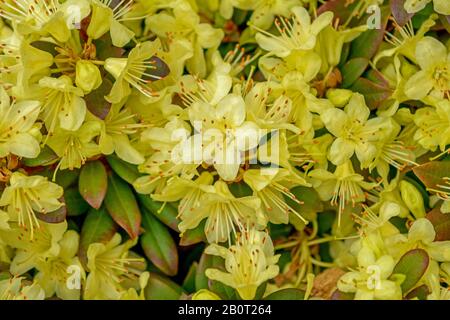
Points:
x=412 y=198
x=339 y=97
x=204 y=294
x=88 y=76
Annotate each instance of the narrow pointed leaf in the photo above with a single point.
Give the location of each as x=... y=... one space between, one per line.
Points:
x=158 y=245
x=93 y=182
x=162 y=288
x=352 y=70
x=75 y=204
x=122 y=206
x=123 y=169
x=164 y=212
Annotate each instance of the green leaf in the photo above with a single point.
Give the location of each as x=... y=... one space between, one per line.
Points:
x=286 y=294
x=158 y=245
x=413 y=265
x=123 y=169
x=162 y=288
x=189 y=280
x=165 y=212
x=374 y=94
x=194 y=236
x=422 y=15
x=75 y=204
x=122 y=206
x=67 y=178
x=367 y=44
x=352 y=70
x=46 y=157
x=421 y=293
x=93 y=182
x=240 y=189
x=432 y=173
x=206 y=261
x=441 y=224
x=97 y=227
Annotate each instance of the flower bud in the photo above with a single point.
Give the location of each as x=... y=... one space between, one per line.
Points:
x=412 y=198
x=88 y=76
x=204 y=294
x=339 y=97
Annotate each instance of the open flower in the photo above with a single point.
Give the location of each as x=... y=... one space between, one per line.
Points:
x=433 y=126
x=44 y=17
x=18 y=133
x=26 y=194
x=441 y=6
x=135 y=71
x=108 y=15
x=269 y=185
x=108 y=266
x=54 y=271
x=74 y=147
x=116 y=129
x=421 y=235
x=354 y=131
x=186 y=190
x=63 y=104
x=371 y=281
x=341 y=187
x=184 y=23
x=224 y=212
x=434 y=77
x=33 y=250
x=18 y=289
x=248 y=263
x=297 y=33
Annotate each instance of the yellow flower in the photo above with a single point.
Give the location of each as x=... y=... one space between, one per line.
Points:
x=341 y=187
x=297 y=33
x=354 y=131
x=18 y=133
x=223 y=212
x=108 y=15
x=17 y=288
x=248 y=263
x=270 y=185
x=108 y=266
x=135 y=70
x=26 y=194
x=371 y=281
x=74 y=147
x=54 y=272
x=434 y=77
x=63 y=104
x=32 y=251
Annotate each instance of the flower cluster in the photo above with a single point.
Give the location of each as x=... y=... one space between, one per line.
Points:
x=281 y=148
